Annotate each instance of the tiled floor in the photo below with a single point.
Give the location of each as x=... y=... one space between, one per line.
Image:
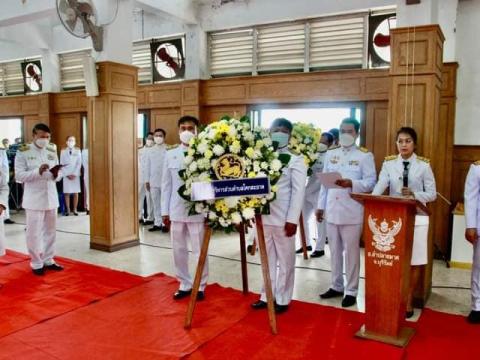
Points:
x=450 y=291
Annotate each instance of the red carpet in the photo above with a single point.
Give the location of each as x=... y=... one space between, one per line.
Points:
x=12 y=257
x=142 y=321
x=26 y=299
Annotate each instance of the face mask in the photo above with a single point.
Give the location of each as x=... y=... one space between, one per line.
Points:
x=158 y=140
x=186 y=136
x=149 y=142
x=322 y=147
x=70 y=144
x=42 y=142
x=346 y=140
x=281 y=138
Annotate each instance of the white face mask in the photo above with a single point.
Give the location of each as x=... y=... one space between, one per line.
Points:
x=42 y=142
x=322 y=147
x=346 y=140
x=186 y=136
x=158 y=140
x=71 y=144
x=149 y=142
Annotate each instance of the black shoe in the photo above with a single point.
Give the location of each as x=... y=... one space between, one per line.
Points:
x=155 y=228
x=147 y=222
x=180 y=294
x=317 y=253
x=88 y=212
x=66 y=214
x=39 y=272
x=200 y=296
x=259 y=305
x=280 y=309
x=141 y=222
x=348 y=301
x=75 y=214
x=164 y=229
x=331 y=294
x=300 y=251
x=54 y=267
x=474 y=317
x=8 y=221
x=409 y=314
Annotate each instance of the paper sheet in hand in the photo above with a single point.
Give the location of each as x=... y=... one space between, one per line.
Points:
x=328 y=179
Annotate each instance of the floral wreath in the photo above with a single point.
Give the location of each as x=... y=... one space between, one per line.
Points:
x=305 y=140
x=253 y=148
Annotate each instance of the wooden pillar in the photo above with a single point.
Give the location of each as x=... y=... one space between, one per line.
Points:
x=415 y=101
x=112 y=147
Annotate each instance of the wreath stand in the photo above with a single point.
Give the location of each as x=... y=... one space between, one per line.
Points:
x=265 y=270
x=303 y=239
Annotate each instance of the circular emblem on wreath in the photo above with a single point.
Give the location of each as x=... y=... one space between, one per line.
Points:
x=229 y=166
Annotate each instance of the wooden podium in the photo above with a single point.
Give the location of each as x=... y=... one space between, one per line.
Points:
x=388 y=236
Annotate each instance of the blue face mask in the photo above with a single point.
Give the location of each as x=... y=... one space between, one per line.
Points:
x=281 y=138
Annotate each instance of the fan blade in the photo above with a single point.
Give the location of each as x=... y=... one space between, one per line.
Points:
x=63 y=6
x=382 y=40
x=85 y=8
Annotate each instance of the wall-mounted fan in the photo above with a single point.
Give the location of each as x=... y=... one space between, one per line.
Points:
x=32 y=76
x=379 y=38
x=80 y=19
x=168 y=60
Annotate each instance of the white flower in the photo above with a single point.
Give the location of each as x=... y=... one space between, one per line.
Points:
x=248 y=213
x=249 y=136
x=267 y=141
x=232 y=131
x=198 y=208
x=188 y=159
x=222 y=222
x=203 y=164
x=276 y=165
x=212 y=216
x=270 y=196
x=218 y=150
x=264 y=165
x=202 y=147
x=261 y=174
x=235 y=147
x=193 y=167
x=263 y=201
x=256 y=166
x=232 y=202
x=204 y=177
x=236 y=218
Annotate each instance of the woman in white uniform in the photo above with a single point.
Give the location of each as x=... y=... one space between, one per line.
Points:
x=71 y=158
x=411 y=176
x=4 y=190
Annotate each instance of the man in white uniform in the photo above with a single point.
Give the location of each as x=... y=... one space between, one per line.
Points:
x=142 y=191
x=4 y=190
x=281 y=225
x=36 y=166
x=472 y=222
x=86 y=179
x=312 y=191
x=154 y=160
x=184 y=229
x=344 y=216
x=71 y=158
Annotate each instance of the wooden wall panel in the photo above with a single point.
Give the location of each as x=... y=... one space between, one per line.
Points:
x=63 y=125
x=69 y=102
x=463 y=157
x=214 y=113
x=376 y=127
x=166 y=119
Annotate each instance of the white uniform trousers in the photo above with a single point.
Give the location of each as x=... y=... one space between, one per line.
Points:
x=41 y=233
x=142 y=193
x=281 y=252
x=344 y=240
x=157 y=205
x=476 y=276
x=321 y=236
x=180 y=234
x=2 y=234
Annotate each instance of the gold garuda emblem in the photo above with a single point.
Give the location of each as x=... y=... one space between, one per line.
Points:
x=229 y=166
x=384 y=235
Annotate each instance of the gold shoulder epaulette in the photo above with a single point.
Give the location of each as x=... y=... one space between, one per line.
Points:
x=52 y=147
x=424 y=159
x=171 y=147
x=477 y=163
x=23 y=147
x=390 y=158
x=333 y=147
x=362 y=149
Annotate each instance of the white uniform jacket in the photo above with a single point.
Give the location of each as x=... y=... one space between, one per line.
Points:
x=472 y=197
x=356 y=164
x=4 y=177
x=40 y=191
x=172 y=203
x=154 y=164
x=290 y=194
x=420 y=178
x=312 y=191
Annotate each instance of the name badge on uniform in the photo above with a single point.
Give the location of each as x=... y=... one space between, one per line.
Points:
x=354 y=162
x=334 y=160
x=31 y=158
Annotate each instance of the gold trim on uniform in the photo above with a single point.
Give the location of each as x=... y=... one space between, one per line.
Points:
x=170 y=147
x=23 y=147
x=476 y=163
x=424 y=159
x=390 y=158
x=363 y=149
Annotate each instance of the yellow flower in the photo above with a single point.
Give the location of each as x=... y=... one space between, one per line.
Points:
x=251 y=174
x=250 y=152
x=208 y=154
